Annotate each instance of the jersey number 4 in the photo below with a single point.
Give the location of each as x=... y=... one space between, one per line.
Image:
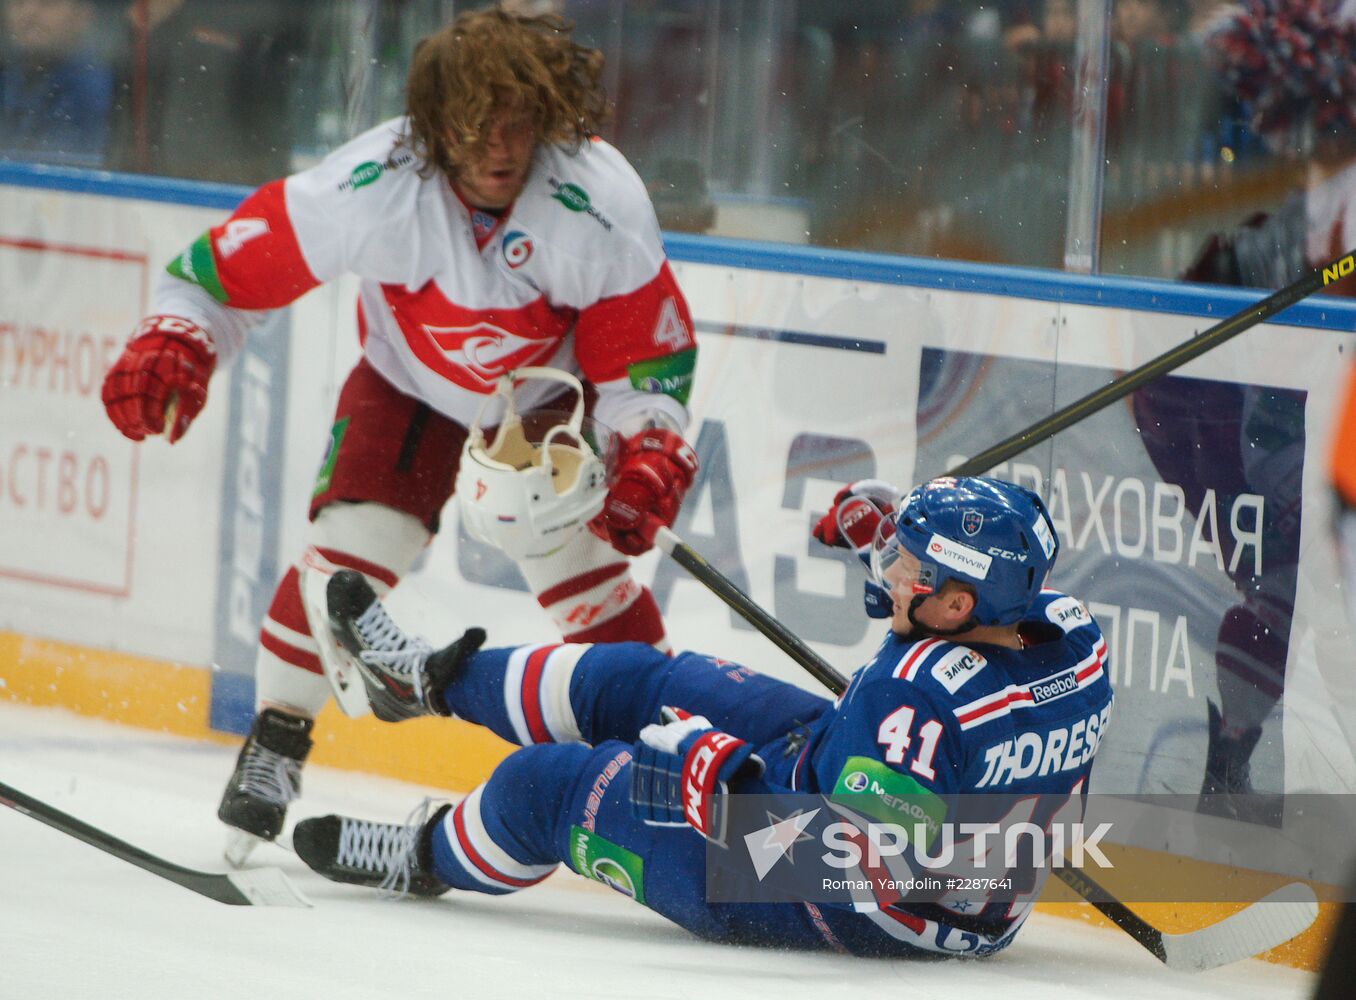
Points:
x=237 y=233
x=893 y=734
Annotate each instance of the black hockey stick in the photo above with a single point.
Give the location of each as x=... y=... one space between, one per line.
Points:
x=257 y=887
x=782 y=637
x=1121 y=387
x=1255 y=929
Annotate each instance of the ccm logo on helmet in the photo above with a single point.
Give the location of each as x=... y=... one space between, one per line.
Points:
x=960 y=557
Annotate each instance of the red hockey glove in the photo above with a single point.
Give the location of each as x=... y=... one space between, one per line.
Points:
x=169 y=359
x=856 y=513
x=654 y=472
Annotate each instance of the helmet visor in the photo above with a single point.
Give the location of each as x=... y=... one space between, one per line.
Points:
x=895 y=568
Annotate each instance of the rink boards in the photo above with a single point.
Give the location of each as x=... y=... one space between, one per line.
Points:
x=132 y=578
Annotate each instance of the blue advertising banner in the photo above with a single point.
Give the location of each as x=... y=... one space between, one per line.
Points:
x=251 y=500
x=1179 y=513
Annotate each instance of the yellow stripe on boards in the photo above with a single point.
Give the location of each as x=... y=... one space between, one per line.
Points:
x=174 y=698
x=150 y=694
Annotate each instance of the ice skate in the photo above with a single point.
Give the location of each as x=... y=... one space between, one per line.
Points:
x=267 y=777
x=394 y=857
x=403 y=674
x=1226 y=789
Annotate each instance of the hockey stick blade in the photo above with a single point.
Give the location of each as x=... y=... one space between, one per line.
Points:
x=1272 y=920
x=257 y=887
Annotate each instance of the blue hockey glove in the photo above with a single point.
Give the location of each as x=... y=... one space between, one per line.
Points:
x=682 y=771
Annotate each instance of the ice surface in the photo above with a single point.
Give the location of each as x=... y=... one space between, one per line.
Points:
x=77 y=923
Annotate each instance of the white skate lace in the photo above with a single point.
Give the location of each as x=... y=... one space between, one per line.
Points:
x=383 y=847
x=273 y=777
x=391 y=649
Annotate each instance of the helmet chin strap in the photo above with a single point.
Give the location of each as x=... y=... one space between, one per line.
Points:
x=920 y=628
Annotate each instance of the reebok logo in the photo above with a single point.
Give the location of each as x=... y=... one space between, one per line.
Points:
x=1055 y=687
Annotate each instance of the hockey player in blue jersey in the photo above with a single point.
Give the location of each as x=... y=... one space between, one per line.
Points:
x=985 y=682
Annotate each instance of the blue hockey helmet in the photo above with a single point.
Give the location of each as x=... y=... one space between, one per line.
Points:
x=995 y=536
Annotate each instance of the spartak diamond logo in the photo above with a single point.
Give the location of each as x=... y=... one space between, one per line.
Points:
x=475 y=356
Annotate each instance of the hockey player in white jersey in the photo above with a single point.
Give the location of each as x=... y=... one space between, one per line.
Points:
x=491 y=230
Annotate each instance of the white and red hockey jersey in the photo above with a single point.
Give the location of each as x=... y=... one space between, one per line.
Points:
x=572 y=276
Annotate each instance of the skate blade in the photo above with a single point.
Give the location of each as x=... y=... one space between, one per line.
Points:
x=239 y=846
x=345 y=682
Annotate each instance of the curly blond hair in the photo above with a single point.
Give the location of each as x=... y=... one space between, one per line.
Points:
x=488 y=62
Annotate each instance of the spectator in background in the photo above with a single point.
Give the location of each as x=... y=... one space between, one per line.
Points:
x=1147 y=22
x=204 y=88
x=56 y=89
x=1154 y=109
x=1302 y=108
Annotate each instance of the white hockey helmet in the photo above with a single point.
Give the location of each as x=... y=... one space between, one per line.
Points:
x=528 y=498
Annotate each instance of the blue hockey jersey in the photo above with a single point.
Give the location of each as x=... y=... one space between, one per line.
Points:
x=933 y=716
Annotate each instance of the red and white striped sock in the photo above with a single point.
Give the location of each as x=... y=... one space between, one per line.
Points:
x=378 y=542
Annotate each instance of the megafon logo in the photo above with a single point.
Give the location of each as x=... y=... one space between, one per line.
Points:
x=610 y=873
